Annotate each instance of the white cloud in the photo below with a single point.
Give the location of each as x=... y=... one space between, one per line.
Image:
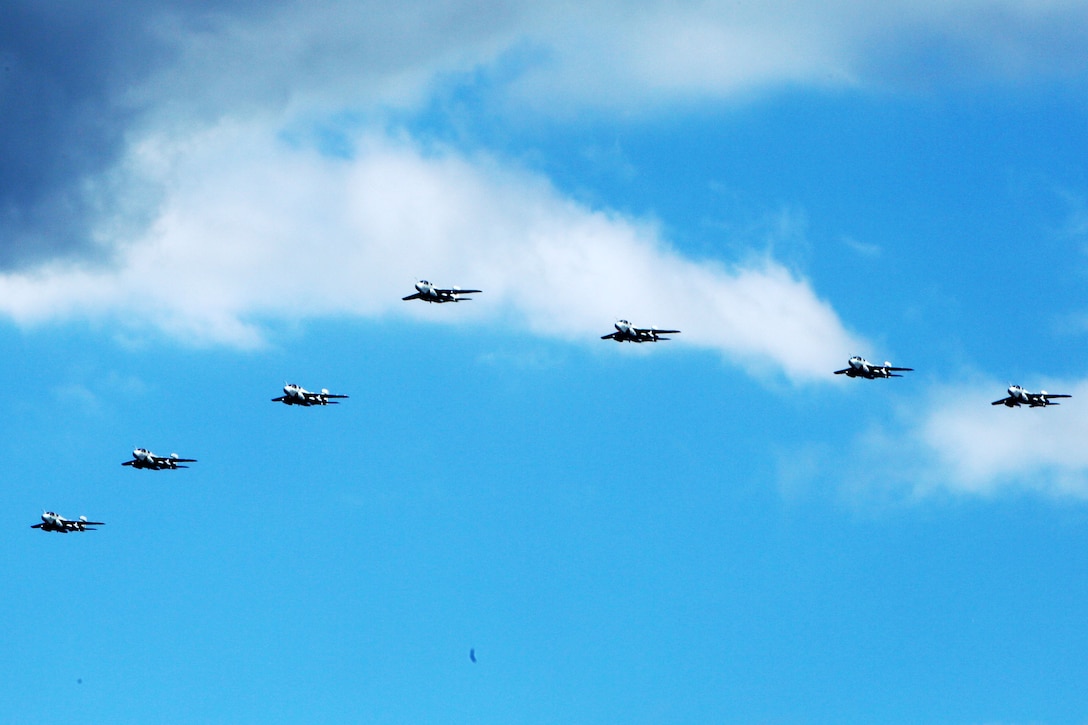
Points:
x=983 y=448
x=168 y=68
x=629 y=56
x=251 y=228
x=322 y=56
x=956 y=441
x=244 y=227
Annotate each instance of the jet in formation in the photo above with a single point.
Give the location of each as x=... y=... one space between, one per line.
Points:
x=143 y=458
x=862 y=368
x=298 y=395
x=1018 y=396
x=56 y=522
x=429 y=293
x=626 y=332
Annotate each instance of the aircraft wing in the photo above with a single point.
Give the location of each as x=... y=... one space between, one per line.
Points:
x=129 y=463
x=178 y=460
x=844 y=370
x=416 y=296
x=646 y=330
x=897 y=370
x=458 y=291
x=279 y=399
x=88 y=523
x=609 y=336
x=36 y=526
x=1048 y=396
x=334 y=396
x=1002 y=401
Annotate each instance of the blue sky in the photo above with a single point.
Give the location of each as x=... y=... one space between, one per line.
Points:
x=201 y=202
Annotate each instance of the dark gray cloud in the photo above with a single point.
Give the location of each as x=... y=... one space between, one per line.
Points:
x=80 y=83
x=65 y=69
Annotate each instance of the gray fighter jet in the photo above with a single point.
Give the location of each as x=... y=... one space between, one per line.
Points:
x=55 y=522
x=143 y=458
x=298 y=395
x=429 y=293
x=1018 y=396
x=626 y=332
x=862 y=368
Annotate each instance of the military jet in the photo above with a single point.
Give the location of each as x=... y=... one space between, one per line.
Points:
x=862 y=368
x=298 y=395
x=56 y=522
x=626 y=332
x=429 y=293
x=1018 y=396
x=143 y=458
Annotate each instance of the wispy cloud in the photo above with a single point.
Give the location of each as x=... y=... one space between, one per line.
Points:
x=637 y=58
x=1075 y=224
x=865 y=249
x=251 y=228
x=955 y=441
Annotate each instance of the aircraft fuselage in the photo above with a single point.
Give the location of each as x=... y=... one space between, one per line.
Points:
x=148 y=461
x=626 y=332
x=859 y=367
x=297 y=395
x=1018 y=396
x=55 y=522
